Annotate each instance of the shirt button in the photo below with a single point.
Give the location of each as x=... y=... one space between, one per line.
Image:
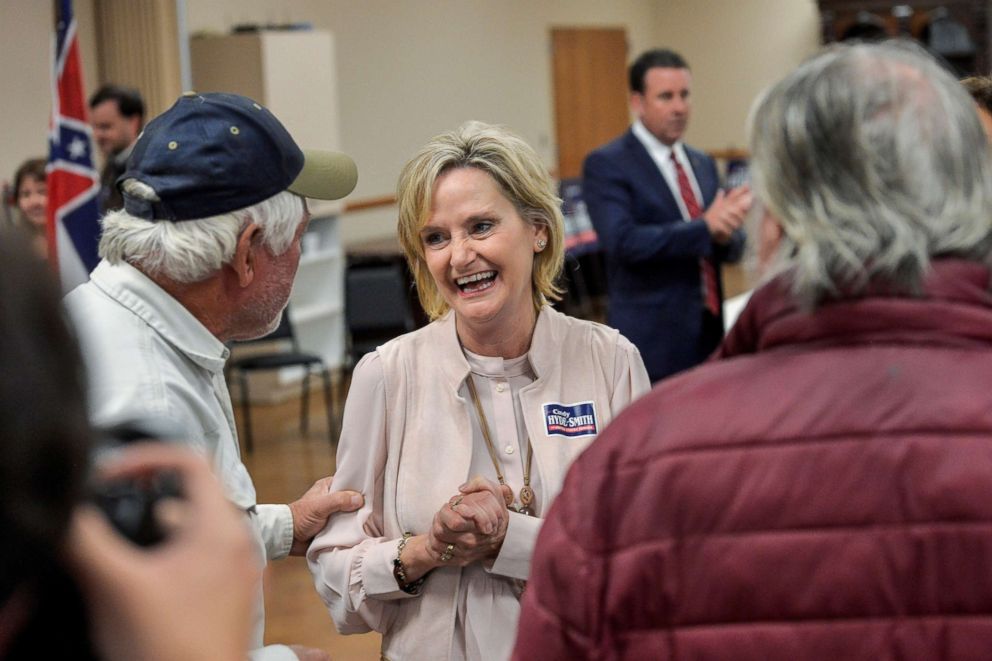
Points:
x=500 y=387
x=508 y=449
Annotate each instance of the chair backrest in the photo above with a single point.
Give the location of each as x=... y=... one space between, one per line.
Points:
x=377 y=304
x=376 y=298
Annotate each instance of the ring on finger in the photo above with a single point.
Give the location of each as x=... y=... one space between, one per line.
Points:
x=448 y=552
x=456 y=502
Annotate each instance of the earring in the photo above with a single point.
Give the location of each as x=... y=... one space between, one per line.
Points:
x=541 y=244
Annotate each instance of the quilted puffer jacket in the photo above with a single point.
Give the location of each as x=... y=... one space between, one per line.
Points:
x=822 y=490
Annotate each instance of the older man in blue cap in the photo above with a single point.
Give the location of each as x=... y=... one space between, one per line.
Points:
x=205 y=251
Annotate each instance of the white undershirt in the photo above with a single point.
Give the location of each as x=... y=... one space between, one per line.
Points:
x=661 y=154
x=483 y=623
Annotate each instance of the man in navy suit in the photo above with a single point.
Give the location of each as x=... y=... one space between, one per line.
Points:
x=664 y=223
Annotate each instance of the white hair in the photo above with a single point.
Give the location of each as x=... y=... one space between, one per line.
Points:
x=191 y=250
x=873 y=160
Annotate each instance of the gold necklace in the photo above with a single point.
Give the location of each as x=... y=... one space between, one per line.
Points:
x=526 y=493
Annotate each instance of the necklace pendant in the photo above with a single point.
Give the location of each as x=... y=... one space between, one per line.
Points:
x=508 y=497
x=526 y=495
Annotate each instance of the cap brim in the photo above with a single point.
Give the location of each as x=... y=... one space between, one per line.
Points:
x=326 y=175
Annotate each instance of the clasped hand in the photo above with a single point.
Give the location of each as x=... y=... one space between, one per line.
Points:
x=471 y=526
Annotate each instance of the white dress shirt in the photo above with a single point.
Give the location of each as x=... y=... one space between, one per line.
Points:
x=661 y=154
x=149 y=359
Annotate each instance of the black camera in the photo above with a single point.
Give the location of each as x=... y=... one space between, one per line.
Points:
x=130 y=503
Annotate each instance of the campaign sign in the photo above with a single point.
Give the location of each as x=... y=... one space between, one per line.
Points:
x=570 y=420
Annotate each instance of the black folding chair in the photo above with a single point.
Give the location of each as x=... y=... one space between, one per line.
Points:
x=377 y=305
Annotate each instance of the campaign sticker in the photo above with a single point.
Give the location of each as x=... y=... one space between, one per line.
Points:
x=570 y=420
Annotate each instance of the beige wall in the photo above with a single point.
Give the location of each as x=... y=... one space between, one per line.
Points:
x=735 y=50
x=412 y=68
x=409 y=70
x=26 y=29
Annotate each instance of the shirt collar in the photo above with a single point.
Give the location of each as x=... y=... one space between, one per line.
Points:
x=167 y=316
x=541 y=356
x=656 y=147
x=958 y=289
x=495 y=367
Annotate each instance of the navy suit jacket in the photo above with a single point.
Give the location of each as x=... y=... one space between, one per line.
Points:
x=652 y=254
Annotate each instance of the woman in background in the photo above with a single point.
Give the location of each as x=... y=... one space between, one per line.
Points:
x=31 y=202
x=460 y=434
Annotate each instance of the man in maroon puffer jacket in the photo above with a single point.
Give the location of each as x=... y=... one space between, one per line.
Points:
x=823 y=488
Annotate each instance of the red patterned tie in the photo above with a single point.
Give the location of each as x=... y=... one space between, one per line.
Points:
x=706 y=269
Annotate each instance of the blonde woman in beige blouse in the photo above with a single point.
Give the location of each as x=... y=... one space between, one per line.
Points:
x=459 y=434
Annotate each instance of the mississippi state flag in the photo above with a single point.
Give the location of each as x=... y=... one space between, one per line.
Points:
x=73 y=182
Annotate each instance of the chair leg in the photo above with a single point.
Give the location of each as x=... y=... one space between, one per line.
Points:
x=246 y=410
x=332 y=430
x=305 y=403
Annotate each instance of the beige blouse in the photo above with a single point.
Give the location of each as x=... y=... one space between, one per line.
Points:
x=352 y=559
x=481 y=628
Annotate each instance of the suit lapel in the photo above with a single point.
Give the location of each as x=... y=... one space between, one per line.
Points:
x=649 y=179
x=703 y=174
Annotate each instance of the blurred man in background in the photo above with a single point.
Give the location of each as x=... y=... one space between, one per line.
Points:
x=665 y=224
x=117 y=115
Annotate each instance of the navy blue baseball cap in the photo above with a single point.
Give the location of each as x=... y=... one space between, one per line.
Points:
x=214 y=153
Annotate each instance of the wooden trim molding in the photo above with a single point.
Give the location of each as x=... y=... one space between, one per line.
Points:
x=370 y=203
x=730 y=154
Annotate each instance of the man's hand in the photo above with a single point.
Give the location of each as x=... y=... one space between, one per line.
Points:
x=727 y=213
x=311 y=511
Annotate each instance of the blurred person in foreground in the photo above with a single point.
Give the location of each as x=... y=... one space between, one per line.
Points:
x=70 y=585
x=820 y=490
x=205 y=251
x=31 y=202
x=460 y=433
x=980 y=88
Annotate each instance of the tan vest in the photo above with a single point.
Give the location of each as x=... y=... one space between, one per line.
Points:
x=429 y=441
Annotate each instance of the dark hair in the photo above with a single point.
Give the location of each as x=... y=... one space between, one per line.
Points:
x=44 y=447
x=655 y=58
x=34 y=168
x=128 y=99
x=980 y=88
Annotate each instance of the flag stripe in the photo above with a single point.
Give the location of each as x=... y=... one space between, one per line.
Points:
x=73 y=182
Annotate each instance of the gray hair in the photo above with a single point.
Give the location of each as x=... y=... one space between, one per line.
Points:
x=191 y=250
x=873 y=160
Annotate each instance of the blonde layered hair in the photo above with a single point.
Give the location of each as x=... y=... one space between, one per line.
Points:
x=521 y=178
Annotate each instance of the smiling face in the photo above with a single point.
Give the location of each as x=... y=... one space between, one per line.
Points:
x=32 y=199
x=480 y=252
x=664 y=107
